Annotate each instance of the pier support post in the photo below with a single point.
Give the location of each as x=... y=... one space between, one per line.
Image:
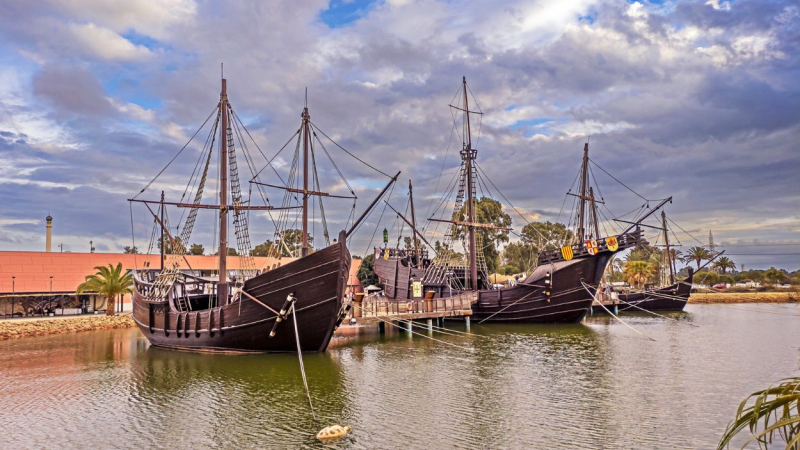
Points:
x=408 y=326
x=381 y=327
x=466 y=321
x=430 y=324
x=616 y=310
x=591 y=310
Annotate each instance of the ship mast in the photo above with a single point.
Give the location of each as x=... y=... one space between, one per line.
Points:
x=222 y=284
x=670 y=261
x=163 y=242
x=584 y=182
x=306 y=119
x=593 y=205
x=468 y=155
x=413 y=224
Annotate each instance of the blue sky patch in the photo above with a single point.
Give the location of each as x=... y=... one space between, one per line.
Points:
x=341 y=13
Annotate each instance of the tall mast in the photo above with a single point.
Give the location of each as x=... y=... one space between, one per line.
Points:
x=222 y=284
x=413 y=223
x=666 y=245
x=594 y=213
x=163 y=250
x=306 y=120
x=468 y=155
x=584 y=182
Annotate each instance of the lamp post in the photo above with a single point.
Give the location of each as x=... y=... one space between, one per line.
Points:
x=13 y=294
x=50 y=303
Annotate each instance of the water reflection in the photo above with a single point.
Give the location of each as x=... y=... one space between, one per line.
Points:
x=588 y=385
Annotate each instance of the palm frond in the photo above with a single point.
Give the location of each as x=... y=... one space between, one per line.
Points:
x=775 y=409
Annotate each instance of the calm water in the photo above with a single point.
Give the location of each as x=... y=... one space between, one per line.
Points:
x=593 y=385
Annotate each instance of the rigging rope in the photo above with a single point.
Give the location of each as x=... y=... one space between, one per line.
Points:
x=178 y=154
x=614 y=315
x=346 y=151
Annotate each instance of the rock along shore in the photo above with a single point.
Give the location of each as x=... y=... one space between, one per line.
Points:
x=744 y=297
x=11 y=329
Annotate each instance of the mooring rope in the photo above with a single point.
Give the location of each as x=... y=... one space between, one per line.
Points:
x=420 y=334
x=651 y=312
x=448 y=330
x=302 y=367
x=414 y=332
x=614 y=315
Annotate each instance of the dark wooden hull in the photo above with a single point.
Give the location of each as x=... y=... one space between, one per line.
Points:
x=524 y=303
x=669 y=298
x=317 y=280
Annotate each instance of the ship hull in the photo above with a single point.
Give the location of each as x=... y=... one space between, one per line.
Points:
x=670 y=298
x=317 y=281
x=527 y=302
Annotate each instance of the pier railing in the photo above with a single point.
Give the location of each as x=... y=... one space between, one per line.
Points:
x=456 y=305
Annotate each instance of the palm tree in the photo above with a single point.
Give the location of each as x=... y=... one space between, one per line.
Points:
x=774 y=410
x=724 y=263
x=637 y=273
x=696 y=254
x=110 y=282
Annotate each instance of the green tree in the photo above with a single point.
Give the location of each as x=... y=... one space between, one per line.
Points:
x=644 y=252
x=521 y=255
x=487 y=211
x=290 y=247
x=637 y=273
x=697 y=254
x=366 y=272
x=509 y=269
x=546 y=235
x=196 y=249
x=775 y=276
x=723 y=263
x=170 y=249
x=706 y=277
x=450 y=255
x=110 y=282
x=268 y=248
x=128 y=250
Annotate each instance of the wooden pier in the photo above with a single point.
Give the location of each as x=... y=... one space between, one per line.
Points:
x=377 y=310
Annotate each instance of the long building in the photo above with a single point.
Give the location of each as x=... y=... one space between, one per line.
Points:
x=39 y=282
x=31 y=280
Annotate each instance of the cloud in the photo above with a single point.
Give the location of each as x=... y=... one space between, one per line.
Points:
x=106 y=44
x=696 y=100
x=72 y=90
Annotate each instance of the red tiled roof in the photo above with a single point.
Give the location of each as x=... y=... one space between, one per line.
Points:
x=34 y=269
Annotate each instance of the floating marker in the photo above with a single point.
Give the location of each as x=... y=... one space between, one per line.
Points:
x=333 y=433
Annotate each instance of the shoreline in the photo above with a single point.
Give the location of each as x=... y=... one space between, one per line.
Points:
x=44 y=326
x=743 y=297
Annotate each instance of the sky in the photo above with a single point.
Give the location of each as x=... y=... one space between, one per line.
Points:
x=698 y=100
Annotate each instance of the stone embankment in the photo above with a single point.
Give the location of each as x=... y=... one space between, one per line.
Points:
x=744 y=297
x=10 y=329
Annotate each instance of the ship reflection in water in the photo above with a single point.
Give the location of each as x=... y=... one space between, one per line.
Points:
x=587 y=385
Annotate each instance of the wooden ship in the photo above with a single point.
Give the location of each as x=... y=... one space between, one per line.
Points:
x=298 y=304
x=560 y=288
x=672 y=297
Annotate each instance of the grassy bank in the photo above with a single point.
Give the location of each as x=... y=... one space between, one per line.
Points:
x=744 y=297
x=11 y=329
